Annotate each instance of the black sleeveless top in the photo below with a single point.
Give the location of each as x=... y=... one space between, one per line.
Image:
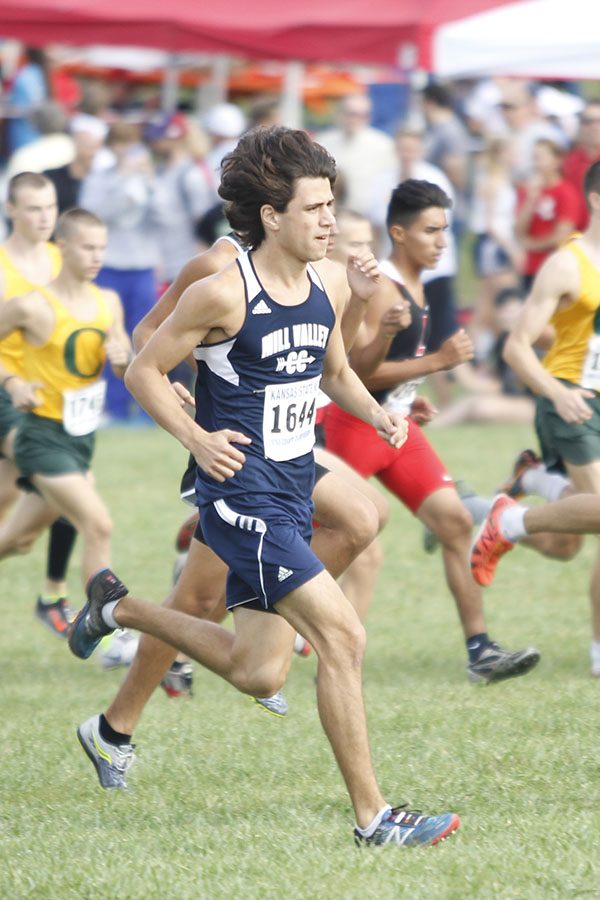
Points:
x=412 y=342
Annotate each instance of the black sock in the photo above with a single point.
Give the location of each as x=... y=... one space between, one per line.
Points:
x=109 y=734
x=476 y=643
x=60 y=546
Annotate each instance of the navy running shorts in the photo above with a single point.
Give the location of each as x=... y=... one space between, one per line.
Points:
x=265 y=545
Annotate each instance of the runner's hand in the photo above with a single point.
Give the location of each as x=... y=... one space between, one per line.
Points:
x=422 y=410
x=216 y=455
x=572 y=405
x=118 y=351
x=183 y=395
x=396 y=318
x=23 y=393
x=456 y=349
x=392 y=427
x=362 y=272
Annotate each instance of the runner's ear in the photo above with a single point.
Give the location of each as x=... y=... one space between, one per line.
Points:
x=269 y=217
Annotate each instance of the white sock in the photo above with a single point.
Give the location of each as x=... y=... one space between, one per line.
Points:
x=595 y=657
x=108 y=614
x=548 y=485
x=511 y=523
x=370 y=829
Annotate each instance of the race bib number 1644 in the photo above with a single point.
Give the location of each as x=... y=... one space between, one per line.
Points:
x=289 y=419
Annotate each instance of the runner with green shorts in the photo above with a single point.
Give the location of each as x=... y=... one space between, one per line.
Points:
x=69 y=329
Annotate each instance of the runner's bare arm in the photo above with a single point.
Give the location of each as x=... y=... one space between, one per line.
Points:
x=346 y=389
x=214 y=303
x=24 y=314
x=557 y=282
x=363 y=277
x=118 y=347
x=388 y=314
x=208 y=263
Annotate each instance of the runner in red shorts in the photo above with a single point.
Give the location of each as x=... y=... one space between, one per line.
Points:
x=392 y=361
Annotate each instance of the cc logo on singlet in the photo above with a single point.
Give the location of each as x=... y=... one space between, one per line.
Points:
x=295 y=362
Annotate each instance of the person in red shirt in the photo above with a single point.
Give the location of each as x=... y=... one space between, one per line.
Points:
x=547 y=211
x=585 y=152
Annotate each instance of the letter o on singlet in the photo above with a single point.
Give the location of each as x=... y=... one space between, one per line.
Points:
x=70 y=352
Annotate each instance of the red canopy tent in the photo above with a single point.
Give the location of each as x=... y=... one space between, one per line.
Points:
x=388 y=32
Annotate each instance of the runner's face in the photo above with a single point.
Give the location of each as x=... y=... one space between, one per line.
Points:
x=83 y=251
x=305 y=226
x=424 y=240
x=353 y=236
x=34 y=212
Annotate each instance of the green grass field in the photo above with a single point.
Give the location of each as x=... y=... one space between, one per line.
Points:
x=227 y=801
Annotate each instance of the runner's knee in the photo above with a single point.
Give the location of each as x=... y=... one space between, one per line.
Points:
x=341 y=644
x=99 y=529
x=565 y=546
x=198 y=601
x=360 y=523
x=264 y=679
x=453 y=525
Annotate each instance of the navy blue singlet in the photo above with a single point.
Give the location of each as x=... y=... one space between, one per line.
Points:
x=263 y=382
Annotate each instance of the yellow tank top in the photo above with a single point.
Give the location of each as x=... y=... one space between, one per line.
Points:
x=575 y=353
x=15 y=285
x=73 y=356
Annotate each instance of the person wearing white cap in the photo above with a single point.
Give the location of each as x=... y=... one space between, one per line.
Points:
x=224 y=122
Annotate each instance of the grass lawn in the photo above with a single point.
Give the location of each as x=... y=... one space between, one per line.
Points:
x=227 y=801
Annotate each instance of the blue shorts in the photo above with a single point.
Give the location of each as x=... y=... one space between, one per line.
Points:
x=265 y=546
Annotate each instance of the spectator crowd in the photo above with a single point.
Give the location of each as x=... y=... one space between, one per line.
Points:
x=510 y=154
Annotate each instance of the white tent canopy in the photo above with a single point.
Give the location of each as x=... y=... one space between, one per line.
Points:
x=537 y=38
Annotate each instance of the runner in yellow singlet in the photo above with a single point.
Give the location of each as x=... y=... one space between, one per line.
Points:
x=566 y=293
x=29 y=259
x=69 y=329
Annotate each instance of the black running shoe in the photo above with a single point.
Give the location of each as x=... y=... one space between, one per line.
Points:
x=513 y=486
x=89 y=627
x=496 y=664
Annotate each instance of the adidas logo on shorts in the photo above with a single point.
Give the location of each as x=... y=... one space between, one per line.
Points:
x=261 y=309
x=284 y=573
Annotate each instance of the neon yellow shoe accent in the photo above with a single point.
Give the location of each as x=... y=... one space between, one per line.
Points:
x=101 y=752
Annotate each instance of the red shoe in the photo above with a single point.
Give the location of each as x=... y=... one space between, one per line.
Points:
x=513 y=486
x=490 y=544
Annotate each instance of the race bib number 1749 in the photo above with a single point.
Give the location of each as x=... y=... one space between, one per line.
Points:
x=289 y=419
x=82 y=409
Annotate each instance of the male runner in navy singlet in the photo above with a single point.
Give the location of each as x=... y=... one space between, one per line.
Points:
x=264 y=330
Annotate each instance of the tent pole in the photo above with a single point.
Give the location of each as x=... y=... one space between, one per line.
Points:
x=216 y=88
x=291 y=103
x=170 y=85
